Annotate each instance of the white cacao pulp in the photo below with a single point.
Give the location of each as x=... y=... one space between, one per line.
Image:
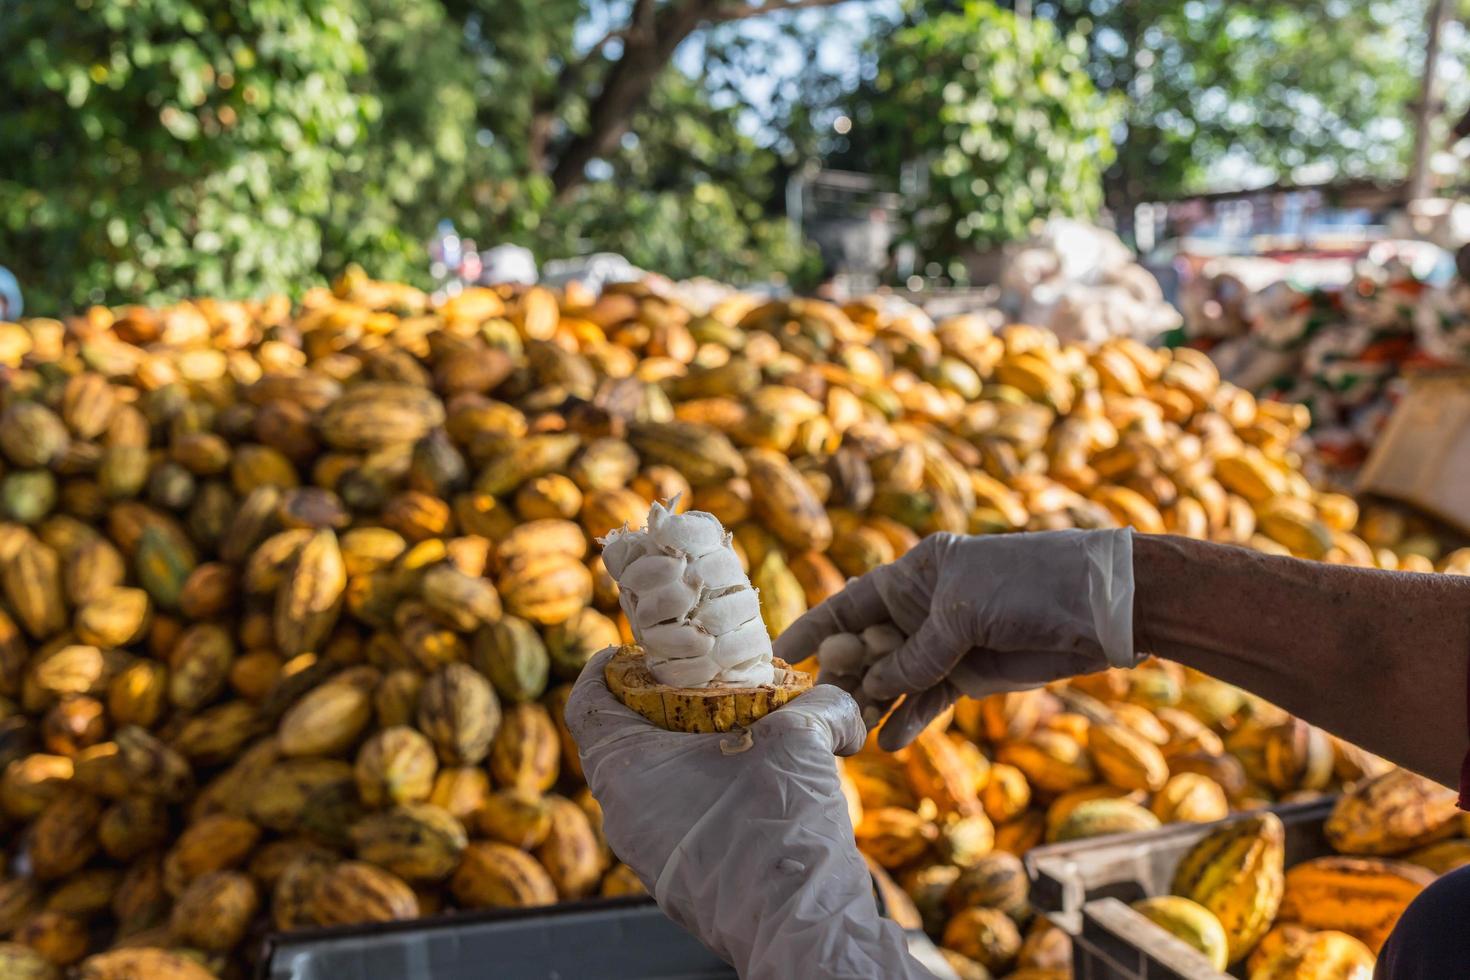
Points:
x=691 y=606
x=847 y=657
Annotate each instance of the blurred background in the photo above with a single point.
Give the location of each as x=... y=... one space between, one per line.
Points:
x=156 y=149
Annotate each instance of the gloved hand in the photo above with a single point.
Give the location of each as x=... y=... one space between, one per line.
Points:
x=983 y=615
x=743 y=839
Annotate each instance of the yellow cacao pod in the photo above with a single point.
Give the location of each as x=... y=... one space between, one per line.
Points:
x=785 y=503
x=517 y=818
x=495 y=875
x=1443 y=857
x=818 y=576
x=551 y=497
x=1219 y=768
x=985 y=935
x=86 y=893
x=1000 y=717
x=214 y=843
x=938 y=770
x=880 y=781
x=620 y=882
x=142 y=961
x=199 y=666
x=570 y=853
x=275 y=797
x=375 y=414
x=547 y=589
x=1102 y=816
x=32 y=584
x=1189 y=921
x=1006 y=794
x=461 y=790
x=132 y=826
x=459 y=713
x=859 y=550
x=138 y=694
x=1190 y=798
x=1127 y=759
x=547 y=536
x=1237 y=872
x=782 y=599
x=395 y=765
x=59 y=938
x=997 y=881
x=21 y=962
x=1391 y=813
x=416 y=841
x=1362 y=897
x=701 y=453
x=356 y=892
x=214 y=910
x=1047 y=948
x=63 y=836
x=328 y=719
x=526 y=749
x=294 y=886
x=116 y=618
x=1289 y=952
x=893 y=836
x=1298 y=756
x=1052 y=761
x=963 y=840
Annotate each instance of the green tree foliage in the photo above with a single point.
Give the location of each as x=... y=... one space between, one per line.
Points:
x=998 y=115
x=1238 y=90
x=689 y=195
x=153 y=149
x=161 y=148
x=416 y=163
x=686 y=190
x=1225 y=93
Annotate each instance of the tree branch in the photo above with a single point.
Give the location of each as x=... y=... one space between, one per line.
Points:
x=748 y=10
x=649 y=42
x=546 y=104
x=641 y=19
x=653 y=35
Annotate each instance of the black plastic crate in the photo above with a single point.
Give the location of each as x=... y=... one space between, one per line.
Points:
x=1086 y=886
x=620 y=939
x=609 y=939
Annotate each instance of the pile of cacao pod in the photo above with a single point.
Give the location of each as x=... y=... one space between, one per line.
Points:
x=1236 y=901
x=1122 y=752
x=292 y=593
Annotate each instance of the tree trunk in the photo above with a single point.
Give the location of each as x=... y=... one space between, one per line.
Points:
x=1122 y=196
x=538 y=138
x=646 y=52
x=1427 y=107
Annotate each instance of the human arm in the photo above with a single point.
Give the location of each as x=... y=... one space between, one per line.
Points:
x=1377 y=658
x=745 y=843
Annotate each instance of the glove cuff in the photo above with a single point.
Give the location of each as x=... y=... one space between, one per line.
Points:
x=1110 y=592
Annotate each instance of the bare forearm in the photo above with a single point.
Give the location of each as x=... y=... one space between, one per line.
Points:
x=1378 y=658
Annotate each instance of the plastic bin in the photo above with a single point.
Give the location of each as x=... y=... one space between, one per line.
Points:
x=609 y=939
x=620 y=939
x=1085 y=887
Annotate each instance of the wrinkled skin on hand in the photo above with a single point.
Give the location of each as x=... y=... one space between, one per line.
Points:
x=743 y=838
x=983 y=615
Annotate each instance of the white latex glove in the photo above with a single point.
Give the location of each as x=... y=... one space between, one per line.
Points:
x=983 y=615
x=743 y=839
